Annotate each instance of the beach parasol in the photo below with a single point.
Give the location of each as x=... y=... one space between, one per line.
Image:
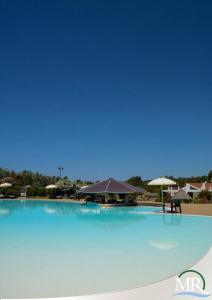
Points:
x=5 y=185
x=51 y=187
x=161 y=181
x=83 y=187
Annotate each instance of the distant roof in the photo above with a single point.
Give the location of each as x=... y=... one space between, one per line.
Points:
x=6 y=179
x=181 y=195
x=196 y=185
x=199 y=185
x=208 y=186
x=111 y=186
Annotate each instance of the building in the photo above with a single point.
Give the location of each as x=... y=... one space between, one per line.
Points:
x=172 y=189
x=193 y=189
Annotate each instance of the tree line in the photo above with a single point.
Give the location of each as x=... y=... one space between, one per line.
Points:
x=36 y=182
x=181 y=181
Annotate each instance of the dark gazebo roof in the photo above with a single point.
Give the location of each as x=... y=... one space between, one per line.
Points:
x=181 y=195
x=111 y=186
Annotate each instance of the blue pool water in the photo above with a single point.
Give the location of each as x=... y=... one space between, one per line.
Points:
x=50 y=249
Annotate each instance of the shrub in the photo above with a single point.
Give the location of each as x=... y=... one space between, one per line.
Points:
x=205 y=196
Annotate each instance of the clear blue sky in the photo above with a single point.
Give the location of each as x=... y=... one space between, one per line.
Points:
x=106 y=88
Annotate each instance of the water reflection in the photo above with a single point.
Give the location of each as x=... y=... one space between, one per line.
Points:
x=164 y=244
x=107 y=219
x=91 y=213
x=172 y=219
x=58 y=208
x=50 y=210
x=4 y=211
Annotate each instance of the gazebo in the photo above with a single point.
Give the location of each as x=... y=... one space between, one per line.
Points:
x=111 y=186
x=181 y=195
x=177 y=199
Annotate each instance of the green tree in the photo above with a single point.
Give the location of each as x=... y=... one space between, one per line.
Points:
x=65 y=185
x=210 y=176
x=205 y=195
x=32 y=191
x=135 y=180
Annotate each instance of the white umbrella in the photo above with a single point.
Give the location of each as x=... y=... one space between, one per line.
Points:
x=83 y=187
x=6 y=184
x=51 y=186
x=162 y=181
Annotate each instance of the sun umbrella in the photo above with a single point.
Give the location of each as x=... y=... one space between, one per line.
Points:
x=51 y=186
x=83 y=187
x=161 y=181
x=6 y=184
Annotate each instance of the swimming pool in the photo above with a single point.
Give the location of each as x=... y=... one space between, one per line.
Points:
x=52 y=249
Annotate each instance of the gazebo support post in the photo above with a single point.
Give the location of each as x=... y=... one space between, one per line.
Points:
x=106 y=200
x=163 y=203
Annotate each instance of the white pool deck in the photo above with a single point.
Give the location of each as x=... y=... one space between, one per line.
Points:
x=162 y=290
